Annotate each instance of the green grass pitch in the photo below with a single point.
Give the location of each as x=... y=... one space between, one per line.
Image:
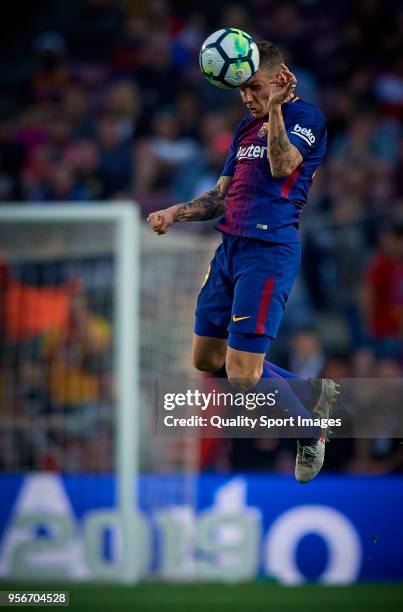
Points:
x=251 y=597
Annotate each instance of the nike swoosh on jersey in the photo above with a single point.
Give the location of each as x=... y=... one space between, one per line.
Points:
x=236 y=319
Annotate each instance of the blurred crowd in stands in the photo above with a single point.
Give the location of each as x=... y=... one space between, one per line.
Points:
x=104 y=100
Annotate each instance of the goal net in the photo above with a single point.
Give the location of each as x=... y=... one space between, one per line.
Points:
x=94 y=310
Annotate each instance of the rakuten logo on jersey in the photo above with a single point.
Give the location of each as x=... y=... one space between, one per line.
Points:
x=304 y=133
x=251 y=152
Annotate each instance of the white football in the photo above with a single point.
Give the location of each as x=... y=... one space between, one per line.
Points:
x=229 y=58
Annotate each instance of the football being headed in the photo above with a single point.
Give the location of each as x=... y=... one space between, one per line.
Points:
x=229 y=58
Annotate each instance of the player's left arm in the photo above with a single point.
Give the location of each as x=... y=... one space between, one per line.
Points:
x=209 y=205
x=284 y=157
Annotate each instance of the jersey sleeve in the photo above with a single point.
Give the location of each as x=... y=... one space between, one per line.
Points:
x=229 y=167
x=306 y=130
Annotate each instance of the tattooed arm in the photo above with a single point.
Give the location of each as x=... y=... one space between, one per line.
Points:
x=207 y=206
x=283 y=156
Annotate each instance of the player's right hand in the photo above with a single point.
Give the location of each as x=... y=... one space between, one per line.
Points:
x=283 y=86
x=160 y=221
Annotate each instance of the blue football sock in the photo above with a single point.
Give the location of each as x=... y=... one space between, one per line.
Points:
x=288 y=399
x=301 y=388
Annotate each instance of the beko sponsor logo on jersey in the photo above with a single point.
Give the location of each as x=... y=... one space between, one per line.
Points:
x=304 y=133
x=251 y=152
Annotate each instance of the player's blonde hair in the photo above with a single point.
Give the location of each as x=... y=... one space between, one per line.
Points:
x=270 y=56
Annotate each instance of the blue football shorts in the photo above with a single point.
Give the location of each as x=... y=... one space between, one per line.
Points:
x=245 y=291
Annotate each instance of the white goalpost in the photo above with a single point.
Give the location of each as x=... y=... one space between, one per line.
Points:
x=120 y=223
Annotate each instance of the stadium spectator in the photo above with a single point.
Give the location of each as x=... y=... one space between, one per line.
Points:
x=116 y=161
x=201 y=175
x=382 y=297
x=52 y=75
x=306 y=355
x=83 y=156
x=77 y=355
x=123 y=105
x=163 y=154
x=76 y=109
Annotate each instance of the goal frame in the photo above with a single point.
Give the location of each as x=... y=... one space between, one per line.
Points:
x=126 y=362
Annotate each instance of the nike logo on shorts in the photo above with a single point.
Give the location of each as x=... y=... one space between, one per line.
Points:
x=236 y=319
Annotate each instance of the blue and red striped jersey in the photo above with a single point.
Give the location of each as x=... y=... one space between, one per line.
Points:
x=257 y=204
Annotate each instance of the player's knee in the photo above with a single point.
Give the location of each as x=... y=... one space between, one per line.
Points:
x=241 y=375
x=207 y=363
x=243 y=384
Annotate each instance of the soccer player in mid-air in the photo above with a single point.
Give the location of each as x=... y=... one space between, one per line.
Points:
x=275 y=152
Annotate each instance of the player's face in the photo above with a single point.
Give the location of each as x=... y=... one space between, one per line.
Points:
x=255 y=93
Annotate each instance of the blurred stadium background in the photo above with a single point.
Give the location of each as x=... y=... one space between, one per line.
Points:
x=102 y=101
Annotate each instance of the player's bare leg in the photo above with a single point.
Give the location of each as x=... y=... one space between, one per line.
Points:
x=208 y=354
x=244 y=369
